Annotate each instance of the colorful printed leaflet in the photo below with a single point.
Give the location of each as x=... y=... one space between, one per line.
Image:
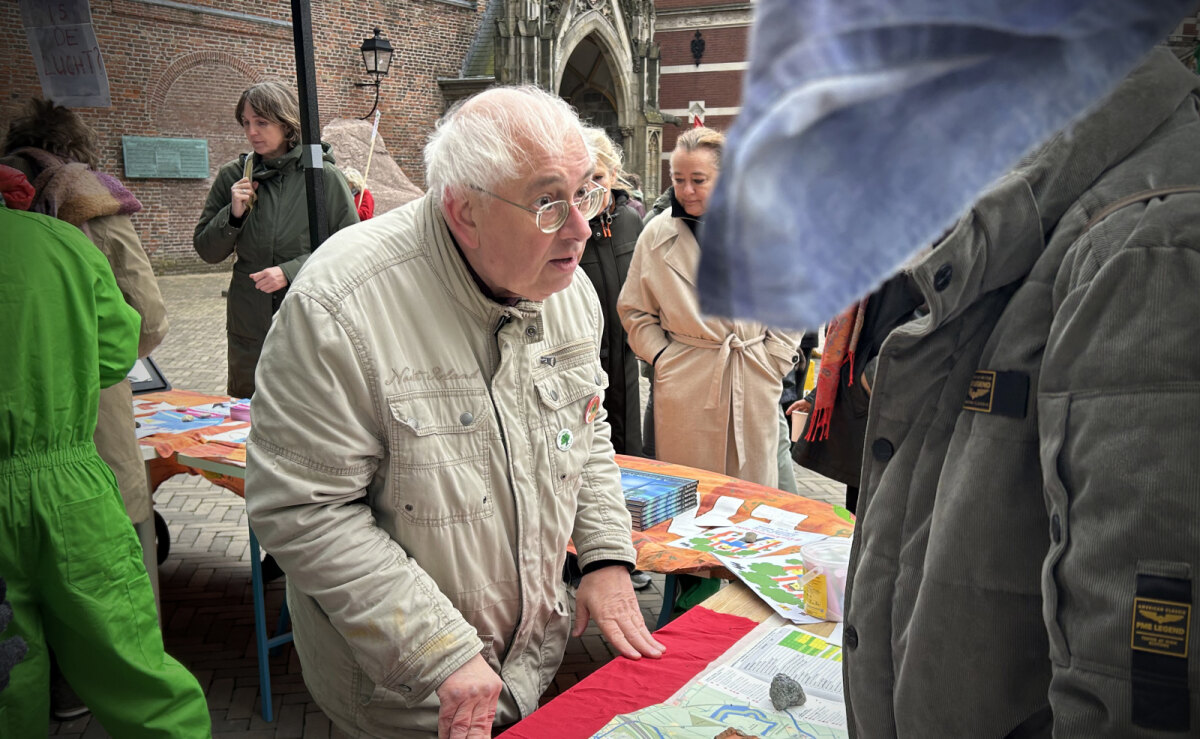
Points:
x=733 y=541
x=777 y=580
x=733 y=691
x=652 y=498
x=174 y=422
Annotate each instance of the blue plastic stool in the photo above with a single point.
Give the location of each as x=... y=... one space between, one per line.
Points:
x=267 y=647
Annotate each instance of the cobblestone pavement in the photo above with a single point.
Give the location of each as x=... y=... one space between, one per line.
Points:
x=208 y=622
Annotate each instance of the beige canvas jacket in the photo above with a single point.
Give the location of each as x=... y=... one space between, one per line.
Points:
x=419 y=458
x=115 y=439
x=717 y=381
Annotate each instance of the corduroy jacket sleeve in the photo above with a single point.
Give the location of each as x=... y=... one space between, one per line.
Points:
x=316 y=445
x=1118 y=407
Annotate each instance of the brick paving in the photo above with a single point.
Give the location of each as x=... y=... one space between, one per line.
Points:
x=207 y=617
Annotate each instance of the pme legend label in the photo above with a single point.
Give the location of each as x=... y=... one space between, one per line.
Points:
x=1161 y=627
x=979 y=394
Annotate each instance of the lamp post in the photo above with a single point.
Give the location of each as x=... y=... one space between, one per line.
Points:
x=377 y=58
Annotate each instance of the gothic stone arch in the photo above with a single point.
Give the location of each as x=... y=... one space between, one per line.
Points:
x=600 y=22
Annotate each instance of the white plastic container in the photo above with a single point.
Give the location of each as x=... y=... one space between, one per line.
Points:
x=826 y=563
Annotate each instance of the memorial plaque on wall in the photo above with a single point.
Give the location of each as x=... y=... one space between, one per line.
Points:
x=166 y=158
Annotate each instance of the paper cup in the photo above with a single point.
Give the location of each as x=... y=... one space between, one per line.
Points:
x=798 y=421
x=825 y=566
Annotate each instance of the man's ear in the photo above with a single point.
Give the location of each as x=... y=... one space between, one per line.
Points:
x=462 y=218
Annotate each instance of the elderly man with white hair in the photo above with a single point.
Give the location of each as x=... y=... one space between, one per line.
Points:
x=429 y=432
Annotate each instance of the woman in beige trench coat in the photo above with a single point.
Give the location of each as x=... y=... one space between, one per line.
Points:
x=717 y=382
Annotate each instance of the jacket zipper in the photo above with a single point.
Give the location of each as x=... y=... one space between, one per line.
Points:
x=504 y=319
x=495 y=347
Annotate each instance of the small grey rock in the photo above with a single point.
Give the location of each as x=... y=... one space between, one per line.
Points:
x=786 y=692
x=750 y=537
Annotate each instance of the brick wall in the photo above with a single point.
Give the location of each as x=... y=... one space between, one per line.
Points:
x=718 y=88
x=179 y=73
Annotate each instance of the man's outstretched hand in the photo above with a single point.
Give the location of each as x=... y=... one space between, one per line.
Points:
x=606 y=596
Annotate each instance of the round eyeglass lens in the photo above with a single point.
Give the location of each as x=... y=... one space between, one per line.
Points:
x=592 y=202
x=553 y=216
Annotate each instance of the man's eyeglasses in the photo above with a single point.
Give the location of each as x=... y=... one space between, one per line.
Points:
x=552 y=216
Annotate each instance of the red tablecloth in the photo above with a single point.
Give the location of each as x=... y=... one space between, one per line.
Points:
x=693 y=640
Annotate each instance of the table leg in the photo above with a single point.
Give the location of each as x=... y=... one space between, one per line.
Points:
x=668 y=603
x=260 y=629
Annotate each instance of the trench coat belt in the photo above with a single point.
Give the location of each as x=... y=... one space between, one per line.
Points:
x=730 y=349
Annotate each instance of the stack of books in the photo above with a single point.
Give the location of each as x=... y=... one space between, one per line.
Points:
x=652 y=497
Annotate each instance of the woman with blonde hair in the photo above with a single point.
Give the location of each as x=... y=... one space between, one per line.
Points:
x=256 y=210
x=717 y=382
x=605 y=260
x=364 y=202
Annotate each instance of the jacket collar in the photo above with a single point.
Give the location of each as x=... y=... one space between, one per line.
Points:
x=680 y=250
x=457 y=278
x=1002 y=237
x=291 y=160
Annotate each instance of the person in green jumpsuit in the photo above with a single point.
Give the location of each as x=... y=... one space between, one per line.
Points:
x=70 y=556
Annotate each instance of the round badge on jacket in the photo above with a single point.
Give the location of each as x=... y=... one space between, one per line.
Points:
x=565 y=440
x=592 y=410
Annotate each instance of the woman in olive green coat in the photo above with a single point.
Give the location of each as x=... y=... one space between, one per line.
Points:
x=256 y=208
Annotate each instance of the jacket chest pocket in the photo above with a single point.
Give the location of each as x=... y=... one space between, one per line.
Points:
x=441 y=456
x=571 y=404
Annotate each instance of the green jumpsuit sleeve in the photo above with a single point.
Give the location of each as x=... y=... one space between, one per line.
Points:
x=118 y=326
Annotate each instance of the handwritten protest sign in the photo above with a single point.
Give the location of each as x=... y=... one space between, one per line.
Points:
x=66 y=53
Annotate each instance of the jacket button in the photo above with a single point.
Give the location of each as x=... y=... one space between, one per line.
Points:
x=531 y=331
x=882 y=449
x=941 y=278
x=1055 y=528
x=553 y=395
x=466 y=418
x=850 y=637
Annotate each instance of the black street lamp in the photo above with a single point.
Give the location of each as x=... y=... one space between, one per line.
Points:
x=377 y=58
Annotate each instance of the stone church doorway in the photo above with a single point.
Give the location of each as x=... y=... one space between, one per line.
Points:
x=588 y=85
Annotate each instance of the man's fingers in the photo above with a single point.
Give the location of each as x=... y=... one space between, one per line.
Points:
x=631 y=638
x=616 y=637
x=581 y=619
x=481 y=723
x=644 y=642
x=471 y=719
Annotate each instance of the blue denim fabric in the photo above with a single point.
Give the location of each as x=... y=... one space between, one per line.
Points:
x=868 y=127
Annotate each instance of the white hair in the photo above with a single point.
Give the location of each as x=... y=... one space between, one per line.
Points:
x=608 y=153
x=354 y=179
x=490 y=137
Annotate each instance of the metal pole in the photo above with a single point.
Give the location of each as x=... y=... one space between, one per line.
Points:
x=310 y=122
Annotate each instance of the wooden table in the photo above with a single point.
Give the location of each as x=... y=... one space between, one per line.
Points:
x=655 y=553
x=225 y=465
